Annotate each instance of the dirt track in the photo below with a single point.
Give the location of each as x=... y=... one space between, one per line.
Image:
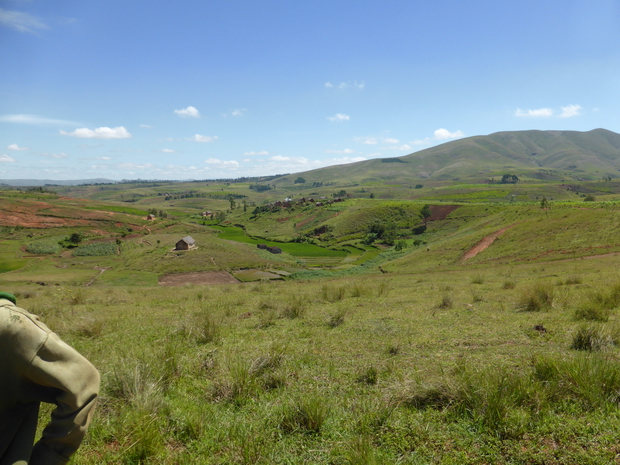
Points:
x=202 y=277
x=484 y=243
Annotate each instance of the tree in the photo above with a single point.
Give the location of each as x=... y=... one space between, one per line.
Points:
x=231 y=199
x=76 y=238
x=299 y=180
x=425 y=212
x=372 y=195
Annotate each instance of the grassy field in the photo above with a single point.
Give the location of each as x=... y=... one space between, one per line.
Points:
x=477 y=365
x=363 y=354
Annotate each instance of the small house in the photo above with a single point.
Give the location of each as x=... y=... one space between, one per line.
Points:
x=186 y=243
x=262 y=246
x=274 y=249
x=151 y=217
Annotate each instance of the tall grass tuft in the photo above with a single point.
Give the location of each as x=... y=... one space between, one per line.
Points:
x=336 y=318
x=332 y=293
x=368 y=375
x=537 y=298
x=306 y=414
x=594 y=338
x=294 y=308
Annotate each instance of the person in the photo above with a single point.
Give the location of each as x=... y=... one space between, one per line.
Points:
x=37 y=366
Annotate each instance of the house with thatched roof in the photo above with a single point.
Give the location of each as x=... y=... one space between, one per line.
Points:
x=186 y=243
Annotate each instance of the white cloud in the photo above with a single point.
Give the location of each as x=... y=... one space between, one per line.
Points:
x=22 y=22
x=444 y=134
x=238 y=112
x=540 y=113
x=168 y=151
x=391 y=141
x=440 y=134
x=17 y=147
x=100 y=133
x=570 y=110
x=147 y=126
x=281 y=158
x=57 y=156
x=345 y=151
x=367 y=140
x=339 y=117
x=34 y=119
x=189 y=112
x=347 y=85
x=262 y=152
x=4 y=158
x=199 y=138
x=400 y=147
x=231 y=164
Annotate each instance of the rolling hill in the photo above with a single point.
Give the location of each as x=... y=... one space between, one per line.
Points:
x=573 y=154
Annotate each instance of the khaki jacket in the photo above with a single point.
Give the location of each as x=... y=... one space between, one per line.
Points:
x=36 y=366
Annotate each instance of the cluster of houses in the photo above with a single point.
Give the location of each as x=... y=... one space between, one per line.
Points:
x=271 y=249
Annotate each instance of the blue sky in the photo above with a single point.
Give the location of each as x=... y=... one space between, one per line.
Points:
x=203 y=90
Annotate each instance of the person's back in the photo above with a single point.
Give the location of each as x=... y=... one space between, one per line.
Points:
x=36 y=366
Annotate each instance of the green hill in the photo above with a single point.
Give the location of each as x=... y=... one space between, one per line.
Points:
x=576 y=155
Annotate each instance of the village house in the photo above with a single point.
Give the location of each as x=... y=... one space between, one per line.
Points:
x=186 y=243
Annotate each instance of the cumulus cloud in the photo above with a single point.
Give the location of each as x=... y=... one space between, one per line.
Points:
x=199 y=138
x=22 y=22
x=339 y=117
x=262 y=152
x=230 y=164
x=189 y=112
x=17 y=147
x=440 y=134
x=400 y=147
x=391 y=141
x=147 y=126
x=444 y=134
x=367 y=140
x=4 y=158
x=281 y=158
x=345 y=151
x=570 y=111
x=104 y=132
x=35 y=119
x=539 y=113
x=168 y=151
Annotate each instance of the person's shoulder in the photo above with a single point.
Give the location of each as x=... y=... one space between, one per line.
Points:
x=17 y=323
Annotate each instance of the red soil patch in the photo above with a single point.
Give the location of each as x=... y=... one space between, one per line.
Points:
x=202 y=277
x=484 y=243
x=440 y=212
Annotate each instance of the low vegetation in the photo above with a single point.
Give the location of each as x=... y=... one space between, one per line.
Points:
x=403 y=349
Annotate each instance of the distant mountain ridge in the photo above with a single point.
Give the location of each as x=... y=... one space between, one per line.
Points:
x=43 y=182
x=587 y=155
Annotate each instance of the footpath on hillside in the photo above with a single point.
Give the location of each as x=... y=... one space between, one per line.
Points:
x=484 y=243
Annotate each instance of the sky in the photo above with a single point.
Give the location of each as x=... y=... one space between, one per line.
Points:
x=198 y=89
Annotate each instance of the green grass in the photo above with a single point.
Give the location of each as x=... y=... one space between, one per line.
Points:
x=352 y=369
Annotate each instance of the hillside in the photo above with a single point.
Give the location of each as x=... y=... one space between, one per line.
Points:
x=566 y=154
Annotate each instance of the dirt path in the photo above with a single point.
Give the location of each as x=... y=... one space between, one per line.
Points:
x=484 y=243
